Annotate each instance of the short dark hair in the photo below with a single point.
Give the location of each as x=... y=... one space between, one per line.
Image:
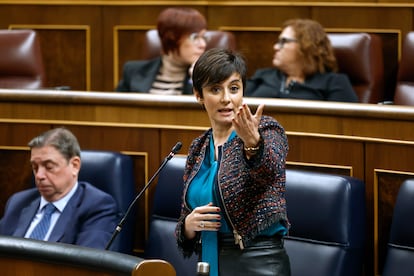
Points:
x=61 y=139
x=215 y=66
x=175 y=23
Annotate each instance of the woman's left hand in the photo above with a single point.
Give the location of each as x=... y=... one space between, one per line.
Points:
x=247 y=125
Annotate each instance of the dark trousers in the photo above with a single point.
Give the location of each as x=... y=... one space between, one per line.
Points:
x=265 y=256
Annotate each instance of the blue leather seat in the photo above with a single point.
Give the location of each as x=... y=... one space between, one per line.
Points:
x=400 y=253
x=327 y=213
x=113 y=173
x=161 y=243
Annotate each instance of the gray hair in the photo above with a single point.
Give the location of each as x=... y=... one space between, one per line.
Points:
x=61 y=139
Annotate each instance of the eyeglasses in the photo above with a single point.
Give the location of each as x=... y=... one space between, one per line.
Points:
x=283 y=40
x=197 y=38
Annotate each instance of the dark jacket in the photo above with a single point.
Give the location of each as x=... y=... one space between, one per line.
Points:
x=89 y=218
x=138 y=76
x=252 y=191
x=269 y=83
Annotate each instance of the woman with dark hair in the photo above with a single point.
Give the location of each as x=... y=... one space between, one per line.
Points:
x=181 y=31
x=304 y=67
x=234 y=209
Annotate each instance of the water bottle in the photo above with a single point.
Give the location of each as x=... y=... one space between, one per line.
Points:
x=203 y=269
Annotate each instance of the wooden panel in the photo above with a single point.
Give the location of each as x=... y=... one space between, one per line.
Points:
x=67 y=36
x=387 y=166
x=15 y=173
x=255 y=16
x=71 y=69
x=128 y=46
x=386 y=191
x=328 y=153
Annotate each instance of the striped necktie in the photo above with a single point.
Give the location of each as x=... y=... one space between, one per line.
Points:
x=39 y=232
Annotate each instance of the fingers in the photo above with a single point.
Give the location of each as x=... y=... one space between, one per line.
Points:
x=244 y=113
x=204 y=218
x=259 y=111
x=208 y=225
x=247 y=125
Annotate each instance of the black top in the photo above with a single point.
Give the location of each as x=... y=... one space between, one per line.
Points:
x=270 y=83
x=138 y=76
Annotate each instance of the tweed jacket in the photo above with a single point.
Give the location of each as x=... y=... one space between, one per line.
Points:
x=252 y=191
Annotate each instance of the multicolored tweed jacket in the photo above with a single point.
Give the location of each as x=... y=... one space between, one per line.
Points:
x=252 y=191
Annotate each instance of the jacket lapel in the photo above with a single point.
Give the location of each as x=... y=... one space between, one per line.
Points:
x=65 y=221
x=26 y=218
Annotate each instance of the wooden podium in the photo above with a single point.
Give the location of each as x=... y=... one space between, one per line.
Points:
x=20 y=256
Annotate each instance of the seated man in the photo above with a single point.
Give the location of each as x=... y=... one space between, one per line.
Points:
x=60 y=209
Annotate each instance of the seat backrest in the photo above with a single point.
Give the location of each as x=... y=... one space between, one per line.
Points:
x=400 y=253
x=404 y=90
x=21 y=62
x=161 y=243
x=113 y=173
x=151 y=47
x=359 y=56
x=327 y=213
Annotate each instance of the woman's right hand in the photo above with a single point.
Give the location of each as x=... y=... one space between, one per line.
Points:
x=202 y=218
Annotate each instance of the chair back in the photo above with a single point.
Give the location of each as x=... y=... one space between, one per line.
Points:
x=327 y=213
x=404 y=90
x=221 y=39
x=400 y=252
x=113 y=173
x=21 y=62
x=359 y=56
x=161 y=243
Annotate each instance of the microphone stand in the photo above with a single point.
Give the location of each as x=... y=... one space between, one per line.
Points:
x=118 y=228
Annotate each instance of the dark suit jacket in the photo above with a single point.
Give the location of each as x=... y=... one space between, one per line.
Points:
x=138 y=76
x=88 y=219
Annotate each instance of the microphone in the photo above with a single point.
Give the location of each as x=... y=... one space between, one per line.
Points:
x=121 y=223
